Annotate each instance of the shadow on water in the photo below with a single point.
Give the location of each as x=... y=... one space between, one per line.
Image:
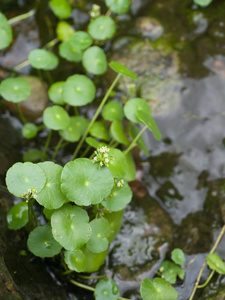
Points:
x=183 y=203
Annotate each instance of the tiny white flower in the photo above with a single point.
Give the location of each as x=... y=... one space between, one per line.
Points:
x=107 y=160
x=106 y=155
x=119 y=184
x=95 y=158
x=101 y=163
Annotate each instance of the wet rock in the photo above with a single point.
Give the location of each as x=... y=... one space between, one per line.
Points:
x=34 y=106
x=149 y=27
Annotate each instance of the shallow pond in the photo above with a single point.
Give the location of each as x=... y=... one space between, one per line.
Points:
x=180 y=200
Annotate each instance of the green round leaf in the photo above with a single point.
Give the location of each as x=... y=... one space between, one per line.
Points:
x=51 y=195
x=115 y=220
x=106 y=289
x=34 y=155
x=41 y=242
x=84 y=183
x=93 y=260
x=157 y=289
x=215 y=263
x=178 y=256
x=118 y=199
x=94 y=60
x=29 y=130
x=69 y=52
x=99 y=130
x=55 y=93
x=43 y=59
x=147 y=119
x=81 y=124
x=117 y=164
x=48 y=213
x=81 y=40
x=79 y=90
x=134 y=131
x=203 y=2
x=132 y=106
x=24 y=176
x=17 y=216
x=170 y=271
x=100 y=232
x=117 y=67
x=70 y=227
x=94 y=143
x=6 y=35
x=102 y=28
x=112 y=111
x=61 y=8
x=64 y=31
x=130 y=174
x=56 y=118
x=71 y=133
x=118 y=6
x=117 y=133
x=15 y=89
x=75 y=260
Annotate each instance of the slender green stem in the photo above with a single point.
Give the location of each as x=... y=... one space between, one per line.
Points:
x=92 y=277
x=203 y=266
x=39 y=74
x=34 y=217
x=41 y=127
x=49 y=76
x=30 y=220
x=51 y=43
x=67 y=272
x=135 y=140
x=22 y=17
x=95 y=116
x=76 y=111
x=22 y=65
x=22 y=117
x=47 y=142
x=57 y=147
x=207 y=281
x=86 y=151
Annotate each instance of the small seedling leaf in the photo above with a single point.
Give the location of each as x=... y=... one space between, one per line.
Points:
x=79 y=90
x=51 y=195
x=64 y=31
x=70 y=227
x=157 y=289
x=24 y=176
x=102 y=28
x=17 y=216
x=178 y=256
x=41 y=242
x=15 y=89
x=106 y=289
x=6 y=35
x=170 y=271
x=140 y=142
x=99 y=130
x=117 y=133
x=75 y=260
x=33 y=155
x=215 y=263
x=94 y=60
x=112 y=111
x=117 y=67
x=56 y=117
x=55 y=93
x=61 y=8
x=85 y=183
x=43 y=59
x=29 y=130
x=118 y=6
x=71 y=133
x=81 y=40
x=94 y=143
x=100 y=232
x=149 y=121
x=69 y=52
x=132 y=106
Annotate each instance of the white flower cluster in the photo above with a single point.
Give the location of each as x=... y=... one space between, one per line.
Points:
x=95 y=12
x=31 y=193
x=102 y=156
x=119 y=183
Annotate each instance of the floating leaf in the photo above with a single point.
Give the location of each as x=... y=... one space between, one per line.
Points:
x=99 y=130
x=71 y=133
x=203 y=2
x=94 y=60
x=56 y=117
x=106 y=289
x=75 y=260
x=81 y=40
x=112 y=111
x=117 y=165
x=100 y=232
x=70 y=227
x=115 y=220
x=140 y=142
x=41 y=242
x=15 y=89
x=85 y=183
x=215 y=263
x=178 y=256
x=94 y=143
x=118 y=6
x=79 y=90
x=17 y=216
x=117 y=133
x=6 y=35
x=93 y=260
x=51 y=195
x=157 y=289
x=69 y=52
x=24 y=176
x=118 y=199
x=102 y=28
x=132 y=106
x=64 y=31
x=61 y=8
x=43 y=59
x=149 y=121
x=55 y=93
x=33 y=155
x=170 y=271
x=29 y=130
x=117 y=67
